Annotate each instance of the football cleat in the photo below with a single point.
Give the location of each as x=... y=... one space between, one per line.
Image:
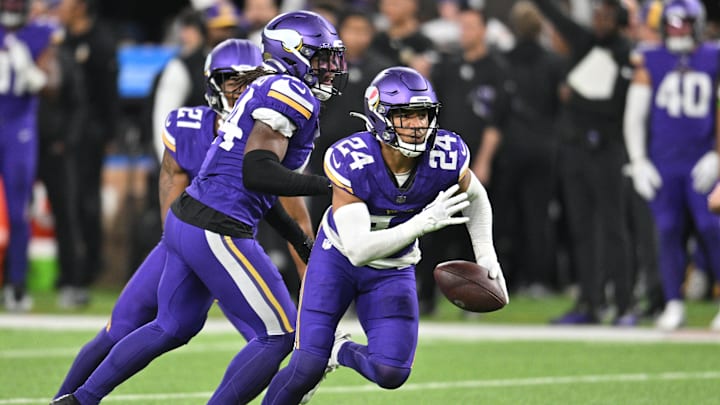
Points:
x=673 y=317
x=340 y=339
x=67 y=399
x=17 y=300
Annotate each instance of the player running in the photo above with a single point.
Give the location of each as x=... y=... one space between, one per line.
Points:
x=384 y=185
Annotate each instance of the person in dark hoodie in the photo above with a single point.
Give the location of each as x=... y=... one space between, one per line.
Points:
x=525 y=173
x=592 y=155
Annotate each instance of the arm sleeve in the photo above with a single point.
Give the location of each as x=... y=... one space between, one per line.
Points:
x=480 y=225
x=360 y=244
x=277 y=179
x=634 y=121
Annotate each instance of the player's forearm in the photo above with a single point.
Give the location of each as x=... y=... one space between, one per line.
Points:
x=360 y=244
x=300 y=241
x=263 y=172
x=171 y=183
x=634 y=121
x=480 y=225
x=297 y=210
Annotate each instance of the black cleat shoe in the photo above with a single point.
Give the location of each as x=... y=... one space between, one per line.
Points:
x=67 y=399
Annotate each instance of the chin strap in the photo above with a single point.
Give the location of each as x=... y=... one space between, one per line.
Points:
x=368 y=124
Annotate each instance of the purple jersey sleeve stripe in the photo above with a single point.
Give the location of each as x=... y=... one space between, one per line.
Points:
x=292 y=103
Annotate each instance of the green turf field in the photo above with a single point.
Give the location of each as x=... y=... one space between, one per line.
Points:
x=482 y=368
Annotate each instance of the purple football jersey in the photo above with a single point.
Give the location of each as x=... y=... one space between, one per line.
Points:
x=189 y=131
x=356 y=165
x=220 y=182
x=14 y=98
x=682 y=116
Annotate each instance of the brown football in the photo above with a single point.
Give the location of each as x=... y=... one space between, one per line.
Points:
x=468 y=286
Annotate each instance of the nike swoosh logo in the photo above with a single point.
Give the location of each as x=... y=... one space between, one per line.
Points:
x=168 y=121
x=335 y=163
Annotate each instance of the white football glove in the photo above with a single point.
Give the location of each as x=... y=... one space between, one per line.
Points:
x=645 y=177
x=705 y=172
x=28 y=77
x=494 y=272
x=439 y=213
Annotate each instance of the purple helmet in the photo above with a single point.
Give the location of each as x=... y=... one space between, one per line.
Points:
x=14 y=13
x=229 y=58
x=675 y=14
x=291 y=40
x=400 y=88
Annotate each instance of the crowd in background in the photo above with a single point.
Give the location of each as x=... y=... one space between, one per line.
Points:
x=545 y=128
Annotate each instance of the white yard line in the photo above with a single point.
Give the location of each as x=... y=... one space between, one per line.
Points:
x=428 y=330
x=511 y=382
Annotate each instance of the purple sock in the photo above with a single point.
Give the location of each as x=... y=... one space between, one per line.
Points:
x=252 y=369
x=130 y=355
x=290 y=384
x=86 y=361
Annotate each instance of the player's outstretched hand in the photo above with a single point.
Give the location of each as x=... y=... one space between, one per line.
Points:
x=646 y=178
x=705 y=172
x=495 y=272
x=439 y=213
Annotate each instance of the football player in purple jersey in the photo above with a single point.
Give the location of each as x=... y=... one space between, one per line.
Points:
x=262 y=146
x=391 y=184
x=188 y=133
x=26 y=52
x=671 y=134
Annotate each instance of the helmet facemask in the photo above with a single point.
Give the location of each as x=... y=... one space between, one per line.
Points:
x=305 y=45
x=682 y=25
x=682 y=43
x=226 y=86
x=229 y=68
x=416 y=123
x=14 y=13
x=327 y=76
x=400 y=103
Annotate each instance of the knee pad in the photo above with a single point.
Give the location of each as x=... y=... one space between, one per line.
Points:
x=390 y=377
